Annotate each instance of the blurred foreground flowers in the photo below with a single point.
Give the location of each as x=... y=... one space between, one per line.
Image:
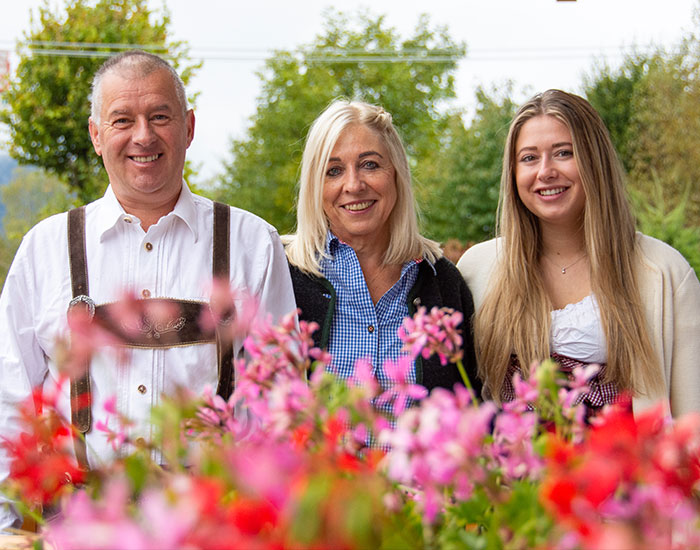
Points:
x=285 y=463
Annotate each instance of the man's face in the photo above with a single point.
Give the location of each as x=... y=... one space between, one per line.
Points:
x=142 y=137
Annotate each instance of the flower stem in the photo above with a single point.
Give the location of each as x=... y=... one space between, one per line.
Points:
x=467 y=383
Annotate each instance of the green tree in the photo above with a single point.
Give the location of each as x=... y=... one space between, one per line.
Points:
x=612 y=93
x=30 y=196
x=651 y=105
x=47 y=102
x=298 y=85
x=668 y=224
x=466 y=198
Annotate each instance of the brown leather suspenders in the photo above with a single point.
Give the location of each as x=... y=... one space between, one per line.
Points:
x=221 y=270
x=183 y=330
x=80 y=394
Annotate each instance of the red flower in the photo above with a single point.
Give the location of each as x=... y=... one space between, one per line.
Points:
x=252 y=516
x=42 y=467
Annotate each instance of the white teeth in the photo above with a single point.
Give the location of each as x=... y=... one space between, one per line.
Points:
x=150 y=158
x=358 y=206
x=549 y=192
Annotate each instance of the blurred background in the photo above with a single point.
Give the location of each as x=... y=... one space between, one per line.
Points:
x=451 y=73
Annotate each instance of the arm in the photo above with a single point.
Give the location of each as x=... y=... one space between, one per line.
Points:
x=469 y=354
x=685 y=366
x=22 y=361
x=448 y=289
x=275 y=291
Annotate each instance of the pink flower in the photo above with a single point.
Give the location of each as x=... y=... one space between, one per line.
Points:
x=431 y=333
x=234 y=310
x=400 y=391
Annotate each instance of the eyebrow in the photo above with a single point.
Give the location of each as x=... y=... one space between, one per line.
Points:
x=362 y=155
x=554 y=146
x=126 y=111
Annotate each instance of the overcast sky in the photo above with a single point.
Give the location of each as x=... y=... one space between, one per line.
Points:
x=538 y=44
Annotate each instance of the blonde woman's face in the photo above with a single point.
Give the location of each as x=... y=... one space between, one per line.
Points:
x=359 y=190
x=546 y=173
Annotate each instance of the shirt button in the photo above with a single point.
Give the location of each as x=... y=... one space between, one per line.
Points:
x=146 y=293
x=370 y=328
x=416 y=302
x=148 y=246
x=127 y=219
x=142 y=388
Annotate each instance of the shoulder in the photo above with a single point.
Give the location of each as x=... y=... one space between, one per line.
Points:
x=479 y=260
x=478 y=254
x=306 y=283
x=48 y=232
x=477 y=265
x=446 y=271
x=243 y=217
x=441 y=286
x=240 y=219
x=658 y=255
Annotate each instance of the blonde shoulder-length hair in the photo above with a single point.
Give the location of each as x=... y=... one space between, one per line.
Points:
x=306 y=248
x=515 y=315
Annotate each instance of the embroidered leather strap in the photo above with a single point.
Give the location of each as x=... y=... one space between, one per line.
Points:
x=80 y=395
x=221 y=253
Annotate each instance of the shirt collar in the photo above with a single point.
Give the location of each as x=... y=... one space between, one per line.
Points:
x=111 y=211
x=332 y=243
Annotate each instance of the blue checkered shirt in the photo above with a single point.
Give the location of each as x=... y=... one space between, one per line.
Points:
x=360 y=328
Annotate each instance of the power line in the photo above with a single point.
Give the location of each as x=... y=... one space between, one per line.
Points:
x=334 y=55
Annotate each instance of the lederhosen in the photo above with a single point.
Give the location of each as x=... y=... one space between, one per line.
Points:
x=183 y=329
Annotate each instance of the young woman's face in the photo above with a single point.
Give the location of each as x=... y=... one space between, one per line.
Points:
x=546 y=173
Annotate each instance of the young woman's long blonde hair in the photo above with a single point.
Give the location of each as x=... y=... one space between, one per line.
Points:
x=515 y=315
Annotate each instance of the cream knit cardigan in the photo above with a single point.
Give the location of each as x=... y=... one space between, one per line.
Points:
x=671 y=295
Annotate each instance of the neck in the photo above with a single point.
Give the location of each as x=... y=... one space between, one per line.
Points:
x=379 y=277
x=563 y=242
x=149 y=214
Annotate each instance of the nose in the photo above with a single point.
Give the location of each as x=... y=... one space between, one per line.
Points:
x=546 y=170
x=143 y=133
x=353 y=182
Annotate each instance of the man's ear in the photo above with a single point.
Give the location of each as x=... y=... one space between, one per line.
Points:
x=94 y=136
x=189 y=122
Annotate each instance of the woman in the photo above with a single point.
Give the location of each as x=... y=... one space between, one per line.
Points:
x=569 y=277
x=359 y=265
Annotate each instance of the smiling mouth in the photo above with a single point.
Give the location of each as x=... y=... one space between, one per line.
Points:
x=149 y=158
x=550 y=192
x=357 y=206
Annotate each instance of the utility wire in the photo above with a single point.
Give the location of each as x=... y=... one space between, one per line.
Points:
x=333 y=55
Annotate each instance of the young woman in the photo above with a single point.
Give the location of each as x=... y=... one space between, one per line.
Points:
x=569 y=277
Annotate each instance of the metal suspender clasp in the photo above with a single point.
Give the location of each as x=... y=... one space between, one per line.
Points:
x=84 y=301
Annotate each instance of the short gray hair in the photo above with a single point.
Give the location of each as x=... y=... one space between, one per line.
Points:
x=142 y=64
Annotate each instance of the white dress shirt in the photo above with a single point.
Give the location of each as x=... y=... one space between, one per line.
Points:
x=173 y=259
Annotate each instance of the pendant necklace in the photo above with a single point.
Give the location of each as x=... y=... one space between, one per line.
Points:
x=563 y=269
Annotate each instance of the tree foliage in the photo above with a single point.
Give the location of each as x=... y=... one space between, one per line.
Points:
x=612 y=93
x=47 y=102
x=298 y=85
x=30 y=196
x=466 y=198
x=669 y=224
x=651 y=105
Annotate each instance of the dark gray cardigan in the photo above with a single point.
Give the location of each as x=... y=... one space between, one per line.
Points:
x=445 y=287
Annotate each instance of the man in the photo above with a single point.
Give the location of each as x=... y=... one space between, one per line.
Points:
x=148 y=236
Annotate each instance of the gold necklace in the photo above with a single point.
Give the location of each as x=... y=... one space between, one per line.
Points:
x=563 y=269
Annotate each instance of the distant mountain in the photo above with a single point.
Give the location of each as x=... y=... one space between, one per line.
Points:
x=7 y=165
